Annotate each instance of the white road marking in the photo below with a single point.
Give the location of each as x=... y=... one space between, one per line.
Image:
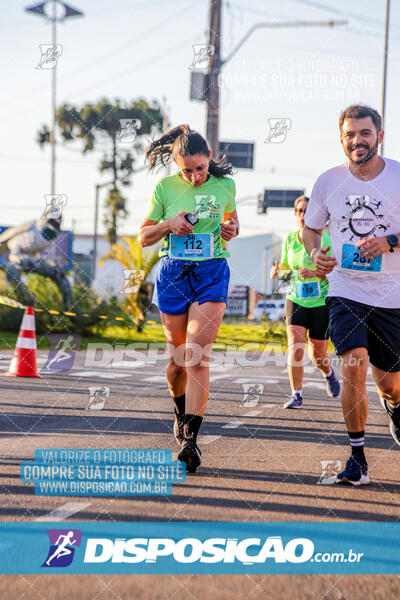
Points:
x=101 y=374
x=314 y=384
x=128 y=364
x=252 y=413
x=215 y=377
x=156 y=379
x=232 y=425
x=267 y=405
x=207 y=439
x=257 y=379
x=307 y=369
x=64 y=511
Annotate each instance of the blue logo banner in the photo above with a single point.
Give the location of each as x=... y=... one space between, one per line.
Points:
x=200 y=547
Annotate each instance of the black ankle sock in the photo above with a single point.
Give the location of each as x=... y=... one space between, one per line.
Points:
x=357 y=443
x=191 y=426
x=179 y=404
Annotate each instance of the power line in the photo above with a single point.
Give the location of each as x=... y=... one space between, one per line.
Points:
x=151 y=61
x=131 y=43
x=346 y=13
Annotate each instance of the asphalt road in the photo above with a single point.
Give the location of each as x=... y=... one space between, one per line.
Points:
x=260 y=463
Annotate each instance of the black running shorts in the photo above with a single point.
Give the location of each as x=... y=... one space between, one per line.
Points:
x=355 y=325
x=315 y=320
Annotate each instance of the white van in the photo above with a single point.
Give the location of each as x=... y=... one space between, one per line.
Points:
x=273 y=309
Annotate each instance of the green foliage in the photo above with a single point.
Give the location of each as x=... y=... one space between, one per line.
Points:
x=94 y=124
x=131 y=256
x=116 y=206
x=48 y=297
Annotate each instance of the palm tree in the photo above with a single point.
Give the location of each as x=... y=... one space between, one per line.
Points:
x=131 y=257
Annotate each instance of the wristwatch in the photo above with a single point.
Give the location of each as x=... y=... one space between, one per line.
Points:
x=237 y=229
x=393 y=241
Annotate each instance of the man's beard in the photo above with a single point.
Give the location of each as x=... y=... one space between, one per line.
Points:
x=370 y=154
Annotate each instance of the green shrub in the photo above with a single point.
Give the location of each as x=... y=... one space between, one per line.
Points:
x=48 y=297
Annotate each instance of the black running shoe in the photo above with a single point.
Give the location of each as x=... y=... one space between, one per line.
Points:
x=191 y=455
x=394 y=416
x=355 y=473
x=178 y=429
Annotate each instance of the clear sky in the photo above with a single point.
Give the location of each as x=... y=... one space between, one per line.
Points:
x=136 y=48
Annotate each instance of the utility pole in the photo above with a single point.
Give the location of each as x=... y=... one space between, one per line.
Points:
x=98 y=187
x=265 y=262
x=385 y=56
x=166 y=125
x=212 y=79
x=216 y=64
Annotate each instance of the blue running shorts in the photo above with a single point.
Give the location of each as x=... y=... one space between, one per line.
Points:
x=180 y=283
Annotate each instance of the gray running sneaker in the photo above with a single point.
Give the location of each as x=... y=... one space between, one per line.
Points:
x=295 y=401
x=394 y=416
x=332 y=385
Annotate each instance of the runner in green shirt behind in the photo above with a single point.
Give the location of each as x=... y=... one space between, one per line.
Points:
x=305 y=310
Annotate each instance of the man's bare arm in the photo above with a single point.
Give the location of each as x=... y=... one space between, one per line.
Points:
x=312 y=239
x=312 y=242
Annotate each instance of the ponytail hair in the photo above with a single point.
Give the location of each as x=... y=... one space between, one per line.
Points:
x=185 y=142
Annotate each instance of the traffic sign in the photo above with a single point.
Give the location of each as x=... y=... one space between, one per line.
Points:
x=277 y=198
x=240 y=154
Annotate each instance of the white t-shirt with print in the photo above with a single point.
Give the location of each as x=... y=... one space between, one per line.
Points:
x=354 y=210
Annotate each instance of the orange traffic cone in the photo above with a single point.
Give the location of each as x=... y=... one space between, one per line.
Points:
x=23 y=363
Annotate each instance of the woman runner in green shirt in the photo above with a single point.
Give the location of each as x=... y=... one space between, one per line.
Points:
x=305 y=310
x=192 y=211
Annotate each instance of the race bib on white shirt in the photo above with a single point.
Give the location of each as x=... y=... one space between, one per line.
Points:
x=355 y=210
x=352 y=260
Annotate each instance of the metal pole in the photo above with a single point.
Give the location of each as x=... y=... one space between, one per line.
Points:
x=98 y=187
x=165 y=125
x=216 y=64
x=53 y=101
x=385 y=56
x=214 y=68
x=265 y=278
x=96 y=211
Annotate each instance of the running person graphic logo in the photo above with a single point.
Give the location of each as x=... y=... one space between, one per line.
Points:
x=329 y=471
x=129 y=130
x=50 y=54
x=98 y=397
x=363 y=217
x=54 y=205
x=251 y=394
x=206 y=206
x=132 y=281
x=203 y=54
x=62 y=547
x=62 y=351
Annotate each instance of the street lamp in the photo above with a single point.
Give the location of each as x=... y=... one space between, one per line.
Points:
x=210 y=81
x=59 y=12
x=385 y=56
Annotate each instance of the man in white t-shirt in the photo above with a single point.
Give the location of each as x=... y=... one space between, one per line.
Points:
x=360 y=200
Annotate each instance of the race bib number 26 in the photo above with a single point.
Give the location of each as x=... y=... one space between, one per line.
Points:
x=352 y=259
